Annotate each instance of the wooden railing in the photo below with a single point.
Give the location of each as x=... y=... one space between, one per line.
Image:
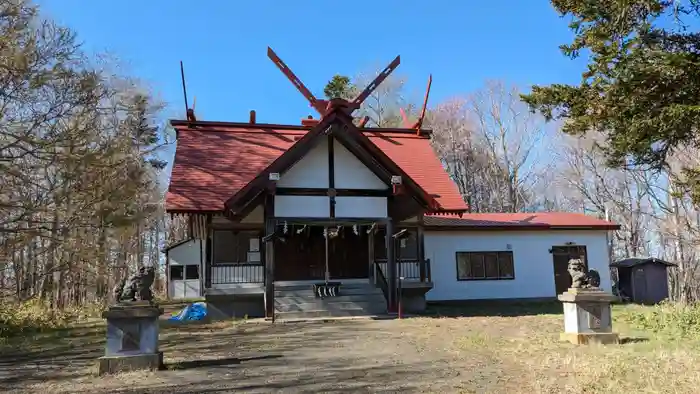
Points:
x=408 y=269
x=380 y=280
x=237 y=273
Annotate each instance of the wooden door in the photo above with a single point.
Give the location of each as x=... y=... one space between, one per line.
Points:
x=561 y=256
x=639 y=286
x=300 y=256
x=348 y=254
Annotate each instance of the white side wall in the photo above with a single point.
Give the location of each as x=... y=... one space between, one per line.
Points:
x=534 y=267
x=188 y=253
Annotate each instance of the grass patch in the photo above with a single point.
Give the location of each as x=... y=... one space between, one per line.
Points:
x=666 y=319
x=478 y=349
x=35 y=316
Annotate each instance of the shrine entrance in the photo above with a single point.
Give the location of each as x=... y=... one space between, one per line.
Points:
x=300 y=253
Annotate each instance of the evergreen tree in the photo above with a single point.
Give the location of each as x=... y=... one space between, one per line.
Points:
x=642 y=85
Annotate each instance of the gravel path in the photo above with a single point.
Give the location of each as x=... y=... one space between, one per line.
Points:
x=338 y=356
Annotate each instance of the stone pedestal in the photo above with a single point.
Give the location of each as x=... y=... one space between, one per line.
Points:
x=132 y=338
x=587 y=316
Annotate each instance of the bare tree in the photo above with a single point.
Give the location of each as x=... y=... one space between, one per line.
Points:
x=490 y=144
x=80 y=194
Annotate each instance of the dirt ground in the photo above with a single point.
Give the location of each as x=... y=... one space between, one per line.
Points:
x=504 y=351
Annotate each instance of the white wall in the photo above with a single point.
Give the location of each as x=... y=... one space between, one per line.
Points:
x=361 y=207
x=351 y=173
x=309 y=172
x=180 y=289
x=302 y=206
x=187 y=253
x=534 y=268
x=312 y=172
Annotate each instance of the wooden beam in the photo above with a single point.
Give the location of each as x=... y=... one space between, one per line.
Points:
x=332 y=193
x=330 y=221
x=390 y=264
x=370 y=253
x=420 y=240
x=302 y=191
x=208 y=254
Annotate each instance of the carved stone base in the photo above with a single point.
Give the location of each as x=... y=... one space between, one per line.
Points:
x=132 y=338
x=587 y=316
x=138 y=362
x=603 y=338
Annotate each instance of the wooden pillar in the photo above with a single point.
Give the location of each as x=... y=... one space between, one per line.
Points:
x=167 y=274
x=391 y=265
x=208 y=242
x=270 y=228
x=370 y=253
x=420 y=240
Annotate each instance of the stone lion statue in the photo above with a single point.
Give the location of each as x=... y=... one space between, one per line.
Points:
x=138 y=287
x=580 y=279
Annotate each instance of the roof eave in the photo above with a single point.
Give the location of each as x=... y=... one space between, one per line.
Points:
x=202 y=123
x=511 y=227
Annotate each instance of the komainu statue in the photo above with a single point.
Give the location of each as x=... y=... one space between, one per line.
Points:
x=138 y=286
x=580 y=279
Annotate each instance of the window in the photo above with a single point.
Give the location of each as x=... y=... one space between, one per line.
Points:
x=191 y=272
x=236 y=247
x=177 y=272
x=485 y=265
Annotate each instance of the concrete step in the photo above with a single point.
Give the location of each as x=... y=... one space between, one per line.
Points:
x=294 y=302
x=344 y=285
x=341 y=291
x=286 y=299
x=321 y=313
x=370 y=305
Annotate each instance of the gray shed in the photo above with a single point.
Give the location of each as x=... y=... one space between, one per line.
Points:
x=642 y=280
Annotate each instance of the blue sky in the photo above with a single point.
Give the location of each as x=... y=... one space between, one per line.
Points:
x=223 y=45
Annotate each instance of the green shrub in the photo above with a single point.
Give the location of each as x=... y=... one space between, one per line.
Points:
x=37 y=316
x=665 y=318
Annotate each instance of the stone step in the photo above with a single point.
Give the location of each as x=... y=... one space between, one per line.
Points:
x=294 y=286
x=285 y=299
x=294 y=302
x=370 y=305
x=341 y=291
x=322 y=313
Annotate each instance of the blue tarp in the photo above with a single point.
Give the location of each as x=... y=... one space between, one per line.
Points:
x=195 y=311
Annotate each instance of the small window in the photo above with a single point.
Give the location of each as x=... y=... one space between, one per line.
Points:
x=177 y=272
x=191 y=272
x=485 y=265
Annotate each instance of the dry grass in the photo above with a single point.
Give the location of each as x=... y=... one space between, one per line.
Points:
x=518 y=353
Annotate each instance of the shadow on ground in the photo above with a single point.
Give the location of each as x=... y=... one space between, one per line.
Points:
x=488 y=309
x=347 y=356
x=626 y=340
x=217 y=362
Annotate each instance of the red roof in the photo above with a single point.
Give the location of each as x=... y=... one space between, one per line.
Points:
x=213 y=161
x=515 y=221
